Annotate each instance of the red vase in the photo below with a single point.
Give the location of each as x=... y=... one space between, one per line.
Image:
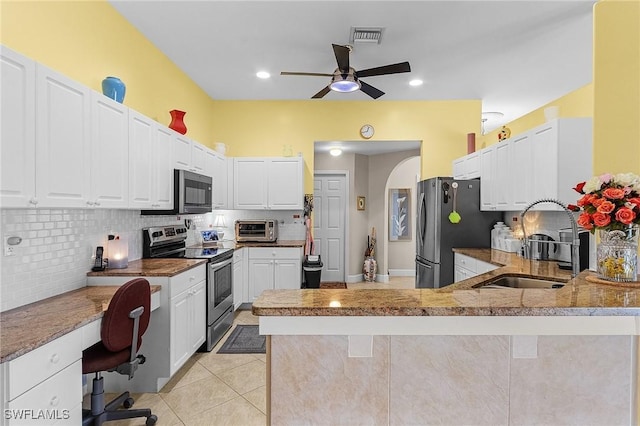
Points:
x=177 y=121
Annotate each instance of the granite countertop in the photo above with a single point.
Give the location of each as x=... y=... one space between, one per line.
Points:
x=151 y=268
x=279 y=244
x=580 y=296
x=30 y=326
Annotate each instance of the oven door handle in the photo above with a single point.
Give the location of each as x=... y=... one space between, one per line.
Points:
x=220 y=265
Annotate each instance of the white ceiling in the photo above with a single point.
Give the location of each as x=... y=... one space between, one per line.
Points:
x=513 y=55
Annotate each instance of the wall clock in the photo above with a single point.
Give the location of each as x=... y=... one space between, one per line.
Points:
x=366 y=131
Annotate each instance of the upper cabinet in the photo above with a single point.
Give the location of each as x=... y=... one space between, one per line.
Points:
x=543 y=163
x=188 y=154
x=467 y=167
x=275 y=183
x=216 y=167
x=17 y=137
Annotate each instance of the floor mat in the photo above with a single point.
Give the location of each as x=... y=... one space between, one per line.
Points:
x=244 y=339
x=333 y=285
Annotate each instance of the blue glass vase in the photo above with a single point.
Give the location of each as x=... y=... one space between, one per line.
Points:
x=114 y=88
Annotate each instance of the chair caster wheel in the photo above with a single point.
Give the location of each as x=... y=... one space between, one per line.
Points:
x=151 y=420
x=128 y=403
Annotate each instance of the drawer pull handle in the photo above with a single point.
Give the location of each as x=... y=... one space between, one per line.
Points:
x=54 y=358
x=54 y=401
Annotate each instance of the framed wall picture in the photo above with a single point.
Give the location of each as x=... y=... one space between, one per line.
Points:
x=361 y=203
x=400 y=214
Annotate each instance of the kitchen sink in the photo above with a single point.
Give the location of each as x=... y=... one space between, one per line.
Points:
x=520 y=282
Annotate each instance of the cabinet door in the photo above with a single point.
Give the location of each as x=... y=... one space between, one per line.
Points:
x=502 y=184
x=287 y=274
x=472 y=165
x=199 y=159
x=17 y=137
x=219 y=181
x=180 y=340
x=520 y=168
x=458 y=168
x=198 y=321
x=181 y=151
x=240 y=289
x=163 y=168
x=487 y=178
x=250 y=183
x=63 y=155
x=545 y=162
x=109 y=153
x=141 y=166
x=286 y=183
x=260 y=277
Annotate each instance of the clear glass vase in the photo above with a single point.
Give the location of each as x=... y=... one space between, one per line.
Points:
x=618 y=254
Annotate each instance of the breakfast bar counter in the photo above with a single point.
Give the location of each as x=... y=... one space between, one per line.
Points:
x=456 y=355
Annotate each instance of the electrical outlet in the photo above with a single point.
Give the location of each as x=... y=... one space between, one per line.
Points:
x=8 y=249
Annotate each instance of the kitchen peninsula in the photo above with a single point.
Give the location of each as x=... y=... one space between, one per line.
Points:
x=456 y=355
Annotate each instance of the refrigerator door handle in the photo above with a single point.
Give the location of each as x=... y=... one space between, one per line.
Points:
x=423 y=219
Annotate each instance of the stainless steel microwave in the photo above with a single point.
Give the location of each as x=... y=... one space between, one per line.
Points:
x=257 y=230
x=192 y=194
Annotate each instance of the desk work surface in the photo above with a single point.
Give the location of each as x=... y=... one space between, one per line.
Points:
x=28 y=327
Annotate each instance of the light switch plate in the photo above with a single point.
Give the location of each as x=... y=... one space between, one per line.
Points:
x=524 y=347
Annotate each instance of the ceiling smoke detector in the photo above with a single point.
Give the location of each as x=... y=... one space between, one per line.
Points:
x=366 y=35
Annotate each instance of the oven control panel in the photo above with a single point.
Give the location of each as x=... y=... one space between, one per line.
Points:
x=164 y=234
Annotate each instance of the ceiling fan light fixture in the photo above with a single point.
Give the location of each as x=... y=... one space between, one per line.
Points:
x=344 y=83
x=335 y=152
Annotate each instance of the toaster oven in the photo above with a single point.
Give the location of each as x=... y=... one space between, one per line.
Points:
x=257 y=230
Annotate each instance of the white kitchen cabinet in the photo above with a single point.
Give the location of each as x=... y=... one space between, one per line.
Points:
x=199 y=158
x=109 y=153
x=488 y=178
x=188 y=324
x=503 y=187
x=562 y=157
x=47 y=378
x=63 y=141
x=274 y=268
x=216 y=167
x=275 y=183
x=467 y=267
x=17 y=137
x=520 y=171
x=240 y=278
x=188 y=154
x=467 y=167
x=150 y=164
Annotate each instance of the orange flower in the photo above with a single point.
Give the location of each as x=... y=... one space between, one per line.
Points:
x=625 y=215
x=585 y=200
x=595 y=201
x=584 y=220
x=613 y=193
x=606 y=207
x=601 y=219
x=636 y=201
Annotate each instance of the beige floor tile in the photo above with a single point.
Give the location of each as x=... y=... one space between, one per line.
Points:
x=153 y=401
x=196 y=397
x=237 y=412
x=245 y=317
x=217 y=363
x=246 y=377
x=394 y=283
x=258 y=397
x=195 y=373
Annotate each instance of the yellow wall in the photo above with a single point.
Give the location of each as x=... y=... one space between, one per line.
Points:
x=88 y=41
x=616 y=78
x=578 y=103
x=263 y=127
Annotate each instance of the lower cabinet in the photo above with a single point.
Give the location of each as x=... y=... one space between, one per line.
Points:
x=274 y=268
x=468 y=267
x=240 y=278
x=188 y=324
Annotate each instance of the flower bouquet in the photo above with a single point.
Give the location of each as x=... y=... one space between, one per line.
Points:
x=611 y=205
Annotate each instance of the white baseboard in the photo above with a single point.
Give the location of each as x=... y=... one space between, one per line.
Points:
x=359 y=278
x=402 y=272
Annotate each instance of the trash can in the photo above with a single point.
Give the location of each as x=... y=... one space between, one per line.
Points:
x=312 y=267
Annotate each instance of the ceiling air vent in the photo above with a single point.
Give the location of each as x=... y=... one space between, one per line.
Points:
x=366 y=35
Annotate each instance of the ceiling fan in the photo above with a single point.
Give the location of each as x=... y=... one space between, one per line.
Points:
x=347 y=79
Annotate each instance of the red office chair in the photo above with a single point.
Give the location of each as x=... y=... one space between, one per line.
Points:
x=123 y=325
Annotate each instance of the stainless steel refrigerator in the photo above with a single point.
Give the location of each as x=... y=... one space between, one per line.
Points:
x=437 y=235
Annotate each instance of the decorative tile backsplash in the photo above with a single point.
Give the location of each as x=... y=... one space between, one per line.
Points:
x=57 y=246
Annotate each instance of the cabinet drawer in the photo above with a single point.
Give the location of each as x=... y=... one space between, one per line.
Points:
x=57 y=397
x=275 y=253
x=466 y=262
x=26 y=371
x=183 y=281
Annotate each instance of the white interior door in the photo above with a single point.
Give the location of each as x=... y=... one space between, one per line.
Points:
x=329 y=208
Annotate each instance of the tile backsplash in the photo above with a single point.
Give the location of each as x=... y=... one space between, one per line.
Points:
x=57 y=246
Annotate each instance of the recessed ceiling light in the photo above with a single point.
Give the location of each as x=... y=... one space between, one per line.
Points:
x=335 y=151
x=415 y=82
x=263 y=74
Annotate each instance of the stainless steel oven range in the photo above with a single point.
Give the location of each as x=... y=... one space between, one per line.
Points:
x=170 y=242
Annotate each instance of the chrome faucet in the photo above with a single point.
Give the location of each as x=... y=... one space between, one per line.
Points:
x=575 y=244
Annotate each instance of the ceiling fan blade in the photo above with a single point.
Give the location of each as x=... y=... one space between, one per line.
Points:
x=321 y=93
x=314 y=74
x=342 y=57
x=370 y=90
x=386 y=69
